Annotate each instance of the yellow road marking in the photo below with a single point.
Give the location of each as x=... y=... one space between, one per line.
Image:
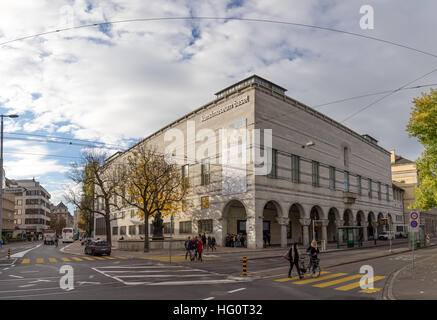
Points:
x=25 y=261
x=121 y=257
x=370 y=290
x=110 y=258
x=77 y=259
x=40 y=260
x=65 y=259
x=357 y=284
x=331 y=283
x=52 y=260
x=335 y=275
x=297 y=277
x=88 y=258
x=99 y=258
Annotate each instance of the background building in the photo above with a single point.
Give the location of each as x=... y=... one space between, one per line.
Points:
x=32 y=205
x=61 y=210
x=8 y=210
x=324 y=175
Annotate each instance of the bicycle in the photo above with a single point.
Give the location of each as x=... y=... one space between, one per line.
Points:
x=313 y=266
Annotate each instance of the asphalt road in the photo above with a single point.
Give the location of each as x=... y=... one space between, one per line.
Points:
x=37 y=275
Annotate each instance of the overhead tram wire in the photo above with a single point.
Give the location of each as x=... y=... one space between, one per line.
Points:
x=221 y=18
x=63 y=142
x=44 y=155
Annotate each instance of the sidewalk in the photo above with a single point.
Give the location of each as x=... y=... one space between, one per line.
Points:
x=420 y=286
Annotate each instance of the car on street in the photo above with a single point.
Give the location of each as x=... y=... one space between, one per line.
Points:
x=97 y=247
x=384 y=235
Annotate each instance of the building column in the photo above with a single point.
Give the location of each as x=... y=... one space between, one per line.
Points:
x=365 y=231
x=254 y=225
x=325 y=223
x=283 y=222
x=305 y=231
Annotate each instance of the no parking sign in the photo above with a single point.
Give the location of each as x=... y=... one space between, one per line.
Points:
x=414 y=221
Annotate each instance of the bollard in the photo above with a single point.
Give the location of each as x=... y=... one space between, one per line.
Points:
x=9 y=253
x=244 y=266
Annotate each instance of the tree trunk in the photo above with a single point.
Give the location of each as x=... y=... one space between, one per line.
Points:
x=146 y=232
x=108 y=229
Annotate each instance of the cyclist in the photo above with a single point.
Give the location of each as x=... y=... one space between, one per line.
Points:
x=313 y=251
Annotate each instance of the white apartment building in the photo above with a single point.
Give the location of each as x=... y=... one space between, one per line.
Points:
x=32 y=205
x=322 y=172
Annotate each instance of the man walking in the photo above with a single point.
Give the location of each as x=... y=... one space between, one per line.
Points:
x=187 y=245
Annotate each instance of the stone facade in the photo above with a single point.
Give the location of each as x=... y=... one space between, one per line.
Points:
x=321 y=173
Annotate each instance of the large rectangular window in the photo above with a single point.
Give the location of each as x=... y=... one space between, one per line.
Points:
x=100 y=226
x=115 y=231
x=167 y=227
x=185 y=227
x=295 y=169
x=123 y=231
x=369 y=188
x=205 y=226
x=315 y=173
x=332 y=178
x=359 y=185
x=346 y=181
x=141 y=229
x=205 y=172
x=274 y=170
x=133 y=230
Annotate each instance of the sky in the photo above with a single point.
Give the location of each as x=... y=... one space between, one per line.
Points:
x=118 y=83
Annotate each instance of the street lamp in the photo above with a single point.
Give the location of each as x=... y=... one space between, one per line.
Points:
x=1 y=171
x=308 y=144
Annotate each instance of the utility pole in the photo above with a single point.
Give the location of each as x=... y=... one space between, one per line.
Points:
x=1 y=172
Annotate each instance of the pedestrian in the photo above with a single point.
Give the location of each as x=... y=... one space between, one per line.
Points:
x=213 y=244
x=265 y=240
x=268 y=238
x=313 y=250
x=209 y=243
x=243 y=239
x=234 y=240
x=238 y=241
x=204 y=240
x=187 y=247
x=199 y=249
x=293 y=253
x=193 y=249
x=360 y=239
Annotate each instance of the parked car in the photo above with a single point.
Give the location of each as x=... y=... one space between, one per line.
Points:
x=97 y=247
x=385 y=235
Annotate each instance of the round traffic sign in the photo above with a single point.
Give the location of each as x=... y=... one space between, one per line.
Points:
x=413 y=224
x=414 y=215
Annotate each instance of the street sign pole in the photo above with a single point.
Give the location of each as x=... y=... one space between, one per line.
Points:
x=413 y=228
x=390 y=232
x=171 y=233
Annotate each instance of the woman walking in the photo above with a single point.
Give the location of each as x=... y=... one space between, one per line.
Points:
x=294 y=260
x=199 y=248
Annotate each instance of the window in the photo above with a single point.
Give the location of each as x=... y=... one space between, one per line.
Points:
x=205 y=226
x=369 y=187
x=115 y=231
x=399 y=218
x=34 y=211
x=100 y=226
x=359 y=185
x=387 y=195
x=18 y=221
x=346 y=181
x=122 y=214
x=379 y=190
x=205 y=173
x=141 y=229
x=346 y=156
x=19 y=202
x=185 y=227
x=315 y=175
x=133 y=230
x=185 y=173
x=167 y=227
x=273 y=172
x=399 y=228
x=241 y=226
x=295 y=169
x=132 y=213
x=332 y=178
x=123 y=231
x=18 y=211
x=32 y=201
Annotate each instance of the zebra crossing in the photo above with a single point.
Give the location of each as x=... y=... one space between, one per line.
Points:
x=336 y=281
x=69 y=259
x=163 y=274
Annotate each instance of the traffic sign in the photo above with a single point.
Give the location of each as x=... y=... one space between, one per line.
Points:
x=414 y=221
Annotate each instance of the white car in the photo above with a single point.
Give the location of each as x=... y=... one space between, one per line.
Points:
x=385 y=235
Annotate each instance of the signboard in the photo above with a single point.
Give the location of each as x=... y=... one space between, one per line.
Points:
x=414 y=223
x=13 y=190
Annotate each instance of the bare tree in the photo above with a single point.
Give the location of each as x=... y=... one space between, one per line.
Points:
x=91 y=173
x=151 y=184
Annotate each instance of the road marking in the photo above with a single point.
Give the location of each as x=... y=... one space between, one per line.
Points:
x=109 y=258
x=40 y=280
x=87 y=282
x=88 y=258
x=27 y=285
x=197 y=282
x=331 y=283
x=22 y=253
x=236 y=290
x=18 y=277
x=335 y=275
x=99 y=258
x=357 y=284
x=297 y=277
x=121 y=257
x=52 y=260
x=371 y=290
x=164 y=276
x=210 y=298
x=66 y=259
x=25 y=261
x=40 y=260
x=77 y=259
x=5 y=268
x=29 y=271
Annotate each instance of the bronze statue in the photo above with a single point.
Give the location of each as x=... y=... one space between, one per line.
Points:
x=158 y=227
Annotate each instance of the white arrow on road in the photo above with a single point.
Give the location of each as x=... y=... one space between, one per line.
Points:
x=22 y=253
x=40 y=280
x=87 y=282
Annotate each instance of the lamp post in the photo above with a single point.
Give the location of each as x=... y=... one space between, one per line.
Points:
x=1 y=171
